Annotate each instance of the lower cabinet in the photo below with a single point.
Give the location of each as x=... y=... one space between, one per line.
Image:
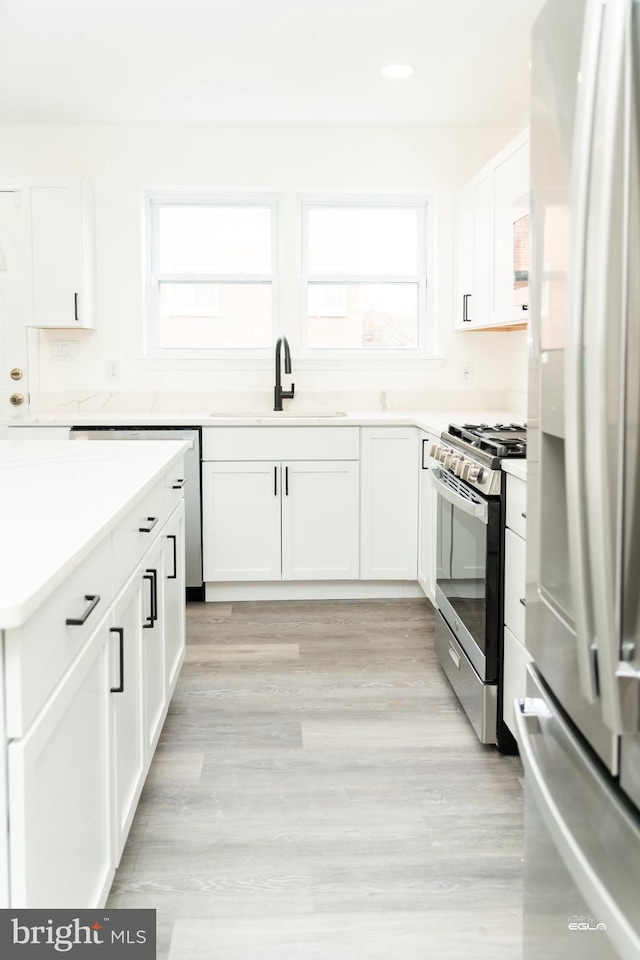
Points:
x=427 y=519
x=80 y=751
x=59 y=810
x=515 y=656
x=275 y=520
x=389 y=503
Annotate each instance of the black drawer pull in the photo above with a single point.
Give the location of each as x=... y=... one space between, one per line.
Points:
x=152 y=577
x=75 y=308
x=120 y=632
x=523 y=601
x=524 y=516
x=152 y=522
x=93 y=600
x=275 y=481
x=179 y=484
x=465 y=308
x=286 y=481
x=174 y=575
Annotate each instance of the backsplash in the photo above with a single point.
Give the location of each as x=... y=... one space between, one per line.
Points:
x=85 y=401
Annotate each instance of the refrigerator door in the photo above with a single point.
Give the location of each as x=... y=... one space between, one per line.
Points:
x=582 y=843
x=567 y=45
x=630 y=744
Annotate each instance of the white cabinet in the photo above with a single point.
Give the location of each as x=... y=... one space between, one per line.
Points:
x=241 y=519
x=85 y=688
x=60 y=843
x=62 y=254
x=515 y=654
x=472 y=308
x=427 y=519
x=389 y=503
x=126 y=711
x=320 y=520
x=492 y=242
x=273 y=520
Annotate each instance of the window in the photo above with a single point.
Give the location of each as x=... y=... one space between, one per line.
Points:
x=213 y=274
x=364 y=274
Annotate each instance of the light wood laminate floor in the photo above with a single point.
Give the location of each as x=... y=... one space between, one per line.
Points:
x=318 y=794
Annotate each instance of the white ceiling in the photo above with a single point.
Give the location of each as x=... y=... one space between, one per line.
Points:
x=270 y=61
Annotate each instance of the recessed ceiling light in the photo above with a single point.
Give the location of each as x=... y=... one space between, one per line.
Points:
x=398 y=70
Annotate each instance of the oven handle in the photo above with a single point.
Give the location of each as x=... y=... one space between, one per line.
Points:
x=478 y=510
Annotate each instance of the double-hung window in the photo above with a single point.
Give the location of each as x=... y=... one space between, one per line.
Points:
x=212 y=274
x=364 y=275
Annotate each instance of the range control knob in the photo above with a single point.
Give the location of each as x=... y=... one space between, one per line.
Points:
x=475 y=474
x=461 y=466
x=434 y=451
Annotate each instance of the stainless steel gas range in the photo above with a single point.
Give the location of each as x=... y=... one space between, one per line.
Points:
x=467 y=476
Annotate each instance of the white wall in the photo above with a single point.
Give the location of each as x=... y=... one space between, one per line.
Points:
x=121 y=161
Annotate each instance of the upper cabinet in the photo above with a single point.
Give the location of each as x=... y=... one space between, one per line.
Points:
x=493 y=242
x=62 y=254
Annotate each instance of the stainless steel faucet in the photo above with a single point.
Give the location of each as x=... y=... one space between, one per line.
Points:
x=279 y=393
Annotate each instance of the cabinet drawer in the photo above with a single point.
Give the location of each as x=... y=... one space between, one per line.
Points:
x=517 y=505
x=38 y=653
x=515 y=550
x=281 y=443
x=139 y=529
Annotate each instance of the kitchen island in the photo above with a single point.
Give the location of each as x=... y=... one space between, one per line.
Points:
x=92 y=621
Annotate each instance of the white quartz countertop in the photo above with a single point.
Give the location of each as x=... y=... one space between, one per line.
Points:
x=57 y=500
x=517 y=468
x=434 y=421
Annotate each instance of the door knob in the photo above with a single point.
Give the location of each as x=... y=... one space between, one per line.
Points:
x=16 y=399
x=16 y=374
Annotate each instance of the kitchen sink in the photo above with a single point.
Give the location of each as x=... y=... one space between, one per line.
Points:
x=278 y=415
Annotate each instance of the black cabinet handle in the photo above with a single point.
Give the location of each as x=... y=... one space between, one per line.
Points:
x=524 y=516
x=275 y=481
x=75 y=308
x=465 y=308
x=179 y=484
x=93 y=600
x=152 y=577
x=523 y=601
x=152 y=522
x=174 y=575
x=120 y=632
x=424 y=447
x=286 y=481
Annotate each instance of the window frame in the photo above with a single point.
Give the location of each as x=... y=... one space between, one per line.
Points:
x=154 y=198
x=423 y=203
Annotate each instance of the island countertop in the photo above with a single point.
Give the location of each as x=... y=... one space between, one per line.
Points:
x=57 y=500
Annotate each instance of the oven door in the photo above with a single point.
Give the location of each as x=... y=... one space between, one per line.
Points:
x=468 y=569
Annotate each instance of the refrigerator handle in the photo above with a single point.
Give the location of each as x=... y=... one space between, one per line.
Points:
x=604 y=380
x=574 y=386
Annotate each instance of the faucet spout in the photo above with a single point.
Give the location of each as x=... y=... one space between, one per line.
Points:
x=279 y=393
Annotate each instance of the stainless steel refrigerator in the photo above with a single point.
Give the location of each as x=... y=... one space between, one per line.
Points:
x=578 y=728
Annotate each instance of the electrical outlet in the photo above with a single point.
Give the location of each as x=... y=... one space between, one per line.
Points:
x=466 y=373
x=113 y=370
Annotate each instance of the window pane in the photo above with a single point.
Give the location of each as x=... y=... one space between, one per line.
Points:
x=366 y=241
x=242 y=318
x=213 y=238
x=377 y=315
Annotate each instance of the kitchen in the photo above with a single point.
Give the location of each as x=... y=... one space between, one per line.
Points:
x=134 y=145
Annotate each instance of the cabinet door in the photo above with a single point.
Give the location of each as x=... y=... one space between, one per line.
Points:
x=515 y=549
x=320 y=520
x=474 y=253
x=241 y=520
x=389 y=503
x=126 y=711
x=153 y=647
x=60 y=843
x=514 y=672
x=61 y=242
x=174 y=593
x=510 y=206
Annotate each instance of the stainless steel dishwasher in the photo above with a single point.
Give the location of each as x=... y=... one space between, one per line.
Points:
x=192 y=496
